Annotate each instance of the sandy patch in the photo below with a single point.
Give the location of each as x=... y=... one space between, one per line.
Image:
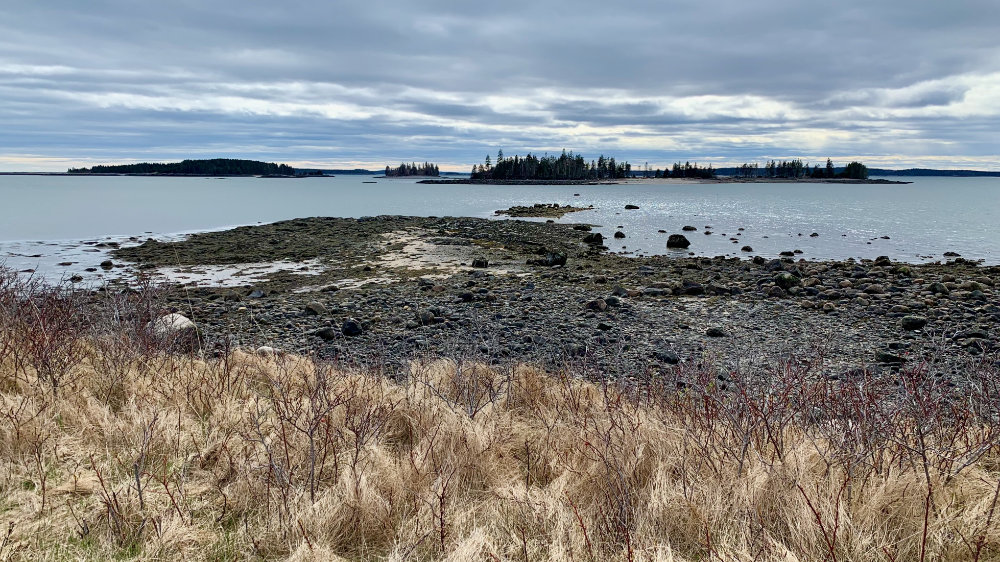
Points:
x=414 y=251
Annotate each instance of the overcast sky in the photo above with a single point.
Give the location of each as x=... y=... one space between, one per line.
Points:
x=896 y=83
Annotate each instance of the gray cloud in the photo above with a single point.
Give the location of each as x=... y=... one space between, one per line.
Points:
x=386 y=80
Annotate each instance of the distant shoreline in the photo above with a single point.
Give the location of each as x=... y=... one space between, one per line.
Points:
x=161 y=175
x=625 y=181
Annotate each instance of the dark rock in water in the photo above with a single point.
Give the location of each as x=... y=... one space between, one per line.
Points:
x=90 y=270
x=787 y=253
x=107 y=264
x=631 y=207
x=688 y=228
x=661 y=231
x=746 y=249
x=326 y=334
x=668 y=356
x=913 y=322
x=599 y=305
x=678 y=241
x=480 y=262
x=582 y=227
x=73 y=279
x=716 y=332
x=619 y=234
x=351 y=328
x=814 y=235
x=952 y=254
x=65 y=263
x=595 y=239
x=883 y=261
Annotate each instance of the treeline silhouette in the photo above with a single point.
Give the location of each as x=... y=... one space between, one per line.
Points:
x=212 y=167
x=412 y=169
x=796 y=168
x=566 y=166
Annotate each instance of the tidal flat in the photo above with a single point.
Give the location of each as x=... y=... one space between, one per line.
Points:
x=397 y=287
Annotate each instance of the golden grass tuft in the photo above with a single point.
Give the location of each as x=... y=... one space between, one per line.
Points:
x=168 y=457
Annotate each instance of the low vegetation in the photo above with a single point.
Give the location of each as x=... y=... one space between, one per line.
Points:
x=112 y=446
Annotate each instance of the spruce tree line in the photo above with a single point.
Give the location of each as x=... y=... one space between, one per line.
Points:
x=412 y=169
x=566 y=166
x=795 y=168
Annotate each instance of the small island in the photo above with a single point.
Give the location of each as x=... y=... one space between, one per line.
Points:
x=412 y=169
x=211 y=167
x=546 y=210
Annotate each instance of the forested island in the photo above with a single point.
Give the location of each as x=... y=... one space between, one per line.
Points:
x=412 y=169
x=212 y=167
x=566 y=166
x=797 y=169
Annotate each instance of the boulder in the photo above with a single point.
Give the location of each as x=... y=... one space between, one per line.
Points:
x=315 y=308
x=480 y=263
x=177 y=332
x=631 y=207
x=678 y=241
x=619 y=234
x=594 y=239
x=913 y=322
x=351 y=328
x=668 y=356
x=326 y=334
x=689 y=228
x=551 y=259
x=786 y=280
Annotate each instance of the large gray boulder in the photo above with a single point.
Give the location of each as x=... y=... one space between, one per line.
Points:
x=177 y=332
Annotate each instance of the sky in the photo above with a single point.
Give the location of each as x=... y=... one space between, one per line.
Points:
x=893 y=83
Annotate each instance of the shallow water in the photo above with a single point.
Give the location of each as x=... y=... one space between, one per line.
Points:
x=46 y=220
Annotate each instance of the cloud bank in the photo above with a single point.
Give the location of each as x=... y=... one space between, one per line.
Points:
x=897 y=83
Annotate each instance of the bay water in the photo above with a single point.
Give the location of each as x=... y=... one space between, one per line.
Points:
x=50 y=220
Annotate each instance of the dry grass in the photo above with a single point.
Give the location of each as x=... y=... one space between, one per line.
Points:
x=140 y=454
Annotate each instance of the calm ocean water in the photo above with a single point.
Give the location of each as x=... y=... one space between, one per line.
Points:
x=45 y=220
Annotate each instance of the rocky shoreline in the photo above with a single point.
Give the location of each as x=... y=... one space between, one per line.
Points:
x=388 y=288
